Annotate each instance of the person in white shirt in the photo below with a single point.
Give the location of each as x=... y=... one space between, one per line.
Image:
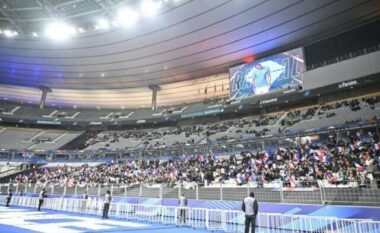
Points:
x=107 y=202
x=250 y=208
x=41 y=198
x=182 y=211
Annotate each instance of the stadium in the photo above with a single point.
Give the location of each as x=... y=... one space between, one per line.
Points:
x=182 y=115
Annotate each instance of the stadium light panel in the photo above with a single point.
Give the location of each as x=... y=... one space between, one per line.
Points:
x=9 y=33
x=127 y=17
x=81 y=30
x=115 y=23
x=103 y=23
x=150 y=8
x=59 y=31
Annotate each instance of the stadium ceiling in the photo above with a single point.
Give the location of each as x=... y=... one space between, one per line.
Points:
x=187 y=39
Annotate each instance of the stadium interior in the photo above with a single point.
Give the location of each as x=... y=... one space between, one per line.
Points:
x=154 y=99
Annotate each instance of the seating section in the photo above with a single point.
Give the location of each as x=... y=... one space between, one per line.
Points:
x=36 y=139
x=274 y=124
x=57 y=140
x=293 y=121
x=17 y=138
x=339 y=113
x=345 y=161
x=28 y=111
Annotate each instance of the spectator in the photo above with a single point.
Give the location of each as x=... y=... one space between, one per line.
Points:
x=107 y=202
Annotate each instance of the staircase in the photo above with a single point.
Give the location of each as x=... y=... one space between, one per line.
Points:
x=79 y=142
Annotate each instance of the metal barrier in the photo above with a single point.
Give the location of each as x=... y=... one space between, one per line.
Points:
x=169 y=214
x=278 y=192
x=211 y=219
x=198 y=217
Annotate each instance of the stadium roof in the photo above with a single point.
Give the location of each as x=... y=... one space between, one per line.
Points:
x=186 y=39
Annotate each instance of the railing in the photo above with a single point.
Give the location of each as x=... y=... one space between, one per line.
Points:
x=211 y=219
x=309 y=192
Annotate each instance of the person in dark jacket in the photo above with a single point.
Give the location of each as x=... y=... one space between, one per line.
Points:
x=9 y=197
x=41 y=198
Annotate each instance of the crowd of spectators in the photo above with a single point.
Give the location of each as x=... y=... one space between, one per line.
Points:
x=336 y=160
x=256 y=126
x=327 y=110
x=148 y=136
x=340 y=159
x=294 y=116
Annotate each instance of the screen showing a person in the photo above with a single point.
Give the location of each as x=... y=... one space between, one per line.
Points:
x=277 y=72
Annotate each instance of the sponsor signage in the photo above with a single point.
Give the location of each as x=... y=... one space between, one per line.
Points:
x=268 y=101
x=347 y=84
x=95 y=122
x=202 y=113
x=45 y=122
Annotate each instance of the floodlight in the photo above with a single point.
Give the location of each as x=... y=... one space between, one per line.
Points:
x=9 y=33
x=81 y=30
x=127 y=17
x=59 y=30
x=150 y=8
x=103 y=23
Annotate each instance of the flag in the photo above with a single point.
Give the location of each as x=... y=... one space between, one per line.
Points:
x=252 y=161
x=292 y=180
x=297 y=157
x=266 y=157
x=281 y=148
x=359 y=167
x=326 y=158
x=339 y=149
x=358 y=143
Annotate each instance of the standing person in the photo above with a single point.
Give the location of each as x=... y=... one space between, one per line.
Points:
x=250 y=208
x=182 y=208
x=107 y=202
x=84 y=201
x=260 y=77
x=41 y=198
x=9 y=197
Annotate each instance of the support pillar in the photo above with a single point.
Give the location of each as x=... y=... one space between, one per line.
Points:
x=155 y=89
x=44 y=90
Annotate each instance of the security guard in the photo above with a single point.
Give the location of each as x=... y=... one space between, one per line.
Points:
x=250 y=208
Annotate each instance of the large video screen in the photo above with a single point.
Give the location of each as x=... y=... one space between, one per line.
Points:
x=280 y=71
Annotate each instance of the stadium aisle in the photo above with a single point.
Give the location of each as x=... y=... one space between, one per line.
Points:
x=29 y=220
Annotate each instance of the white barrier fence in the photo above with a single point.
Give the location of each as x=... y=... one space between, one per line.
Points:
x=211 y=219
x=305 y=192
